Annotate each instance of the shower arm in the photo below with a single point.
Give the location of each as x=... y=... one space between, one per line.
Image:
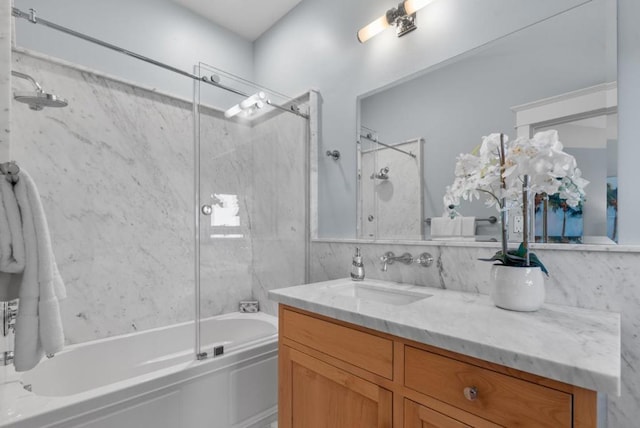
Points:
x=27 y=77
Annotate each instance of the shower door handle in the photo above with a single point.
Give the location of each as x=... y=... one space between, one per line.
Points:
x=206 y=209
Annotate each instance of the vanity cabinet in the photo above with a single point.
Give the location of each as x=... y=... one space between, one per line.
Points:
x=418 y=416
x=325 y=396
x=339 y=375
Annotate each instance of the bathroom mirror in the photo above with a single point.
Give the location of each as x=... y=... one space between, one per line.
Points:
x=452 y=105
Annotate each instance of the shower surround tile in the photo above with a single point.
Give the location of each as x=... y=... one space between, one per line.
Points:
x=113 y=173
x=279 y=223
x=115 y=170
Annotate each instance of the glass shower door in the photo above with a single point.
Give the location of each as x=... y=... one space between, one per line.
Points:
x=252 y=197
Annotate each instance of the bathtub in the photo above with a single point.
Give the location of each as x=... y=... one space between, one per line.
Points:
x=151 y=379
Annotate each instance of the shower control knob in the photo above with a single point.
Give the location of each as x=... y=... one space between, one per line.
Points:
x=370 y=218
x=206 y=209
x=425 y=260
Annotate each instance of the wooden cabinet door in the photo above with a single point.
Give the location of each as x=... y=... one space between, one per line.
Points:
x=315 y=394
x=418 y=416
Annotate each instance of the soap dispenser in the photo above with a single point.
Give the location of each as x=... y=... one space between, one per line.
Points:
x=357 y=267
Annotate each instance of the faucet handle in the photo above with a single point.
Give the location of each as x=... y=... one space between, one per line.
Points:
x=387 y=259
x=425 y=260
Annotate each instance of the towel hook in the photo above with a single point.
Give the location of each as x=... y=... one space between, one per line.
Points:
x=10 y=170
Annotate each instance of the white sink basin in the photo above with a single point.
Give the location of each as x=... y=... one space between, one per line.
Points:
x=377 y=293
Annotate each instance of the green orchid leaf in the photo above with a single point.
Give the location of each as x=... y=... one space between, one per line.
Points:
x=517 y=258
x=535 y=261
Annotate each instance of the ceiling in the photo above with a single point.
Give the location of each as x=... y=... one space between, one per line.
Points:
x=247 y=18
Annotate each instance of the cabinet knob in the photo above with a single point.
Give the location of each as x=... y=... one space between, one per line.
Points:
x=470 y=393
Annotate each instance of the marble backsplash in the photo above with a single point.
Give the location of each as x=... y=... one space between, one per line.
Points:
x=602 y=280
x=115 y=172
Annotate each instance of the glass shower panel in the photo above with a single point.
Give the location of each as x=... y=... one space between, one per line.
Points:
x=252 y=187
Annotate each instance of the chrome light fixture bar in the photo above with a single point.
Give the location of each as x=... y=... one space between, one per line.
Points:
x=403 y=17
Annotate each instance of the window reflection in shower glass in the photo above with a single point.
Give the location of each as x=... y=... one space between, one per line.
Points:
x=225 y=216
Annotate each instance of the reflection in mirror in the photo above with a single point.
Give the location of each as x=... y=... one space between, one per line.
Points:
x=587 y=121
x=390 y=187
x=452 y=105
x=591 y=141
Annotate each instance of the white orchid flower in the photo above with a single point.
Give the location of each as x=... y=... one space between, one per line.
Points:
x=542 y=158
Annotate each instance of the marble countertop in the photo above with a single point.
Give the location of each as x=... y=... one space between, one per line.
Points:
x=567 y=344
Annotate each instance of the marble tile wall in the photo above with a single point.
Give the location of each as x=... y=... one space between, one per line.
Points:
x=279 y=221
x=603 y=280
x=225 y=250
x=115 y=172
x=264 y=164
x=5 y=78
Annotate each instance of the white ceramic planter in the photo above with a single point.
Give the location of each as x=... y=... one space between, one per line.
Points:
x=517 y=288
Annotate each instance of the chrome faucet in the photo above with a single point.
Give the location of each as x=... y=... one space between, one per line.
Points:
x=425 y=259
x=389 y=258
x=8 y=312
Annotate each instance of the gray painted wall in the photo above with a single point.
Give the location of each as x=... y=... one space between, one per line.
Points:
x=159 y=29
x=452 y=107
x=629 y=111
x=315 y=45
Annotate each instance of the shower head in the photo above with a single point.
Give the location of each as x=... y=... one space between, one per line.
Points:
x=382 y=175
x=38 y=99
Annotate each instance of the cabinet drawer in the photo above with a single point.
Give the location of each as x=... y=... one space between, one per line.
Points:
x=364 y=350
x=503 y=399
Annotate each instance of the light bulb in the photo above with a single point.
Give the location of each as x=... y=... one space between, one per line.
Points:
x=256 y=99
x=412 y=6
x=253 y=99
x=232 y=111
x=372 y=29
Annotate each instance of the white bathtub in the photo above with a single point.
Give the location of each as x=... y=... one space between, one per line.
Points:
x=150 y=379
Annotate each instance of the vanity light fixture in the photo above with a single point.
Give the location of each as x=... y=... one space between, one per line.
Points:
x=403 y=17
x=255 y=101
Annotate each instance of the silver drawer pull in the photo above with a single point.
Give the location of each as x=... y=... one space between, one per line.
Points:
x=471 y=393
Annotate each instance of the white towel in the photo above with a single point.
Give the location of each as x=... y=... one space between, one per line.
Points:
x=445 y=228
x=468 y=226
x=38 y=324
x=442 y=227
x=11 y=243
